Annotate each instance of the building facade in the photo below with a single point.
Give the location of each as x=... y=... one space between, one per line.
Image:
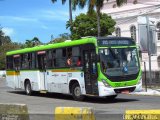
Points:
x=126 y=18
x=127 y=15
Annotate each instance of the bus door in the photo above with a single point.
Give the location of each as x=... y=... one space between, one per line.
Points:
x=90 y=72
x=16 y=61
x=41 y=58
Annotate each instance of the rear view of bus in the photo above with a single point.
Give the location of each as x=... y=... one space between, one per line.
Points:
x=119 y=66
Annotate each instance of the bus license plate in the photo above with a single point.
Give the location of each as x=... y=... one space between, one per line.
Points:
x=125 y=92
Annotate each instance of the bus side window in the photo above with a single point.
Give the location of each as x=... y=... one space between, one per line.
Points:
x=60 y=58
x=24 y=61
x=49 y=59
x=32 y=61
x=54 y=58
x=76 y=58
x=9 y=62
x=17 y=63
x=69 y=57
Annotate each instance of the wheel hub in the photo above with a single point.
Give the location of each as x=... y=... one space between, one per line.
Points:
x=77 y=91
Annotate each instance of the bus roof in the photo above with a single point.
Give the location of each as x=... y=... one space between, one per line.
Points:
x=84 y=40
x=54 y=45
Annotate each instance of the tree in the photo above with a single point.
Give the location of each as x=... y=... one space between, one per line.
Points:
x=31 y=43
x=4 y=39
x=98 y=4
x=85 y=25
x=5 y=46
x=70 y=8
x=62 y=37
x=36 y=41
x=72 y=5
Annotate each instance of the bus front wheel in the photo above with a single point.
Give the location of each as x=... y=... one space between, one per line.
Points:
x=28 y=88
x=76 y=92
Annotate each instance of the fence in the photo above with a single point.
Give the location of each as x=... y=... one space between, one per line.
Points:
x=155 y=81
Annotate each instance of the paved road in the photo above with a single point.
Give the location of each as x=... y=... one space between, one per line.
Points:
x=46 y=103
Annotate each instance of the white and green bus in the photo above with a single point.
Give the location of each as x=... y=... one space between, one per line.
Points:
x=92 y=66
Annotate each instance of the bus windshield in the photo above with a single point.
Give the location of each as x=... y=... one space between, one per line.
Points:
x=119 y=61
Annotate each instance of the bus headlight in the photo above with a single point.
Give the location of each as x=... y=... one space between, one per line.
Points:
x=105 y=83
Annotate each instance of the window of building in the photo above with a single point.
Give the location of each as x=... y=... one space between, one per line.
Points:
x=118 y=32
x=133 y=32
x=158 y=33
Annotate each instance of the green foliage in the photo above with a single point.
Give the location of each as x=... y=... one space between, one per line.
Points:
x=4 y=39
x=5 y=46
x=86 y=25
x=31 y=43
x=98 y=4
x=3 y=49
x=62 y=37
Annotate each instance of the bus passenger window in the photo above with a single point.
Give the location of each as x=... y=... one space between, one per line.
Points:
x=60 y=58
x=79 y=61
x=9 y=62
x=69 y=56
x=49 y=59
x=16 y=62
x=69 y=62
x=33 y=61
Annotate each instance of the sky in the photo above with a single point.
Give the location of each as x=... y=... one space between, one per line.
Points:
x=25 y=19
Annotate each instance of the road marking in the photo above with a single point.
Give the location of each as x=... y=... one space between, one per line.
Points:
x=74 y=113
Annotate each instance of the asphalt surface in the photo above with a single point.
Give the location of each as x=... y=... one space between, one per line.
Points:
x=42 y=106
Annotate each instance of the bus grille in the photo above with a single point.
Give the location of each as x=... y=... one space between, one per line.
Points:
x=130 y=89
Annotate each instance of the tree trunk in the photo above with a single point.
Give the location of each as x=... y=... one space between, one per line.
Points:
x=70 y=12
x=98 y=21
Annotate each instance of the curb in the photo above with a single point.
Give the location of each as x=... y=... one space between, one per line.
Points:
x=144 y=94
x=13 y=112
x=74 y=113
x=142 y=115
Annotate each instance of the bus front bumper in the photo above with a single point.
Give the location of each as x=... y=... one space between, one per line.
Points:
x=108 y=91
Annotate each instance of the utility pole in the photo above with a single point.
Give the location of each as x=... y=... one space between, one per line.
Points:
x=149 y=48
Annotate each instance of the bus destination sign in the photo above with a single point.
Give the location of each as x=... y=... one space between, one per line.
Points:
x=114 y=42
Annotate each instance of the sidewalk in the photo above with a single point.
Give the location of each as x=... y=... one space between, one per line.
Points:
x=149 y=92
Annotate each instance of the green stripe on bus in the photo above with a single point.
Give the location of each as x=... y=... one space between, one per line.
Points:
x=52 y=46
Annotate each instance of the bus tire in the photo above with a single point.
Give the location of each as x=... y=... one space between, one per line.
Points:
x=76 y=92
x=112 y=97
x=28 y=88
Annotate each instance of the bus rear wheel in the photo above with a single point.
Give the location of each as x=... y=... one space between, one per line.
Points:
x=28 y=88
x=76 y=92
